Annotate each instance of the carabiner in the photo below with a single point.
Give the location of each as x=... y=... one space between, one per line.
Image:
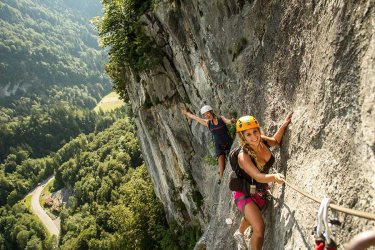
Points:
x=328 y=231
x=322 y=217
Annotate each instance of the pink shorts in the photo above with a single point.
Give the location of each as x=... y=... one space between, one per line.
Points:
x=256 y=198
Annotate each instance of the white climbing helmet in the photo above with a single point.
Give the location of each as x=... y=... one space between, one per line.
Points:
x=206 y=108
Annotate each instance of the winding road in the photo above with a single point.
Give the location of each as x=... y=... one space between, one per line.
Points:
x=38 y=210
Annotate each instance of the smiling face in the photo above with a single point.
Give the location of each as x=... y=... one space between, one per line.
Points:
x=208 y=115
x=252 y=136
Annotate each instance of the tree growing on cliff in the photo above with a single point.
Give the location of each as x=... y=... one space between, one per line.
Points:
x=121 y=29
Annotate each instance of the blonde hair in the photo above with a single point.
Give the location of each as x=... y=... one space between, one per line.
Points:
x=245 y=145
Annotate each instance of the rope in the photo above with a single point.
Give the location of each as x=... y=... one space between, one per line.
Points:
x=361 y=214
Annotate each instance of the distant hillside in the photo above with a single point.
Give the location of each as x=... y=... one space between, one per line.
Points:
x=45 y=43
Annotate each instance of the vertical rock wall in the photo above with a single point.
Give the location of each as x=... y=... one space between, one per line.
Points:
x=262 y=58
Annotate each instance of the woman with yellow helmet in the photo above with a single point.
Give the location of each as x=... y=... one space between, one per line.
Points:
x=254 y=162
x=216 y=125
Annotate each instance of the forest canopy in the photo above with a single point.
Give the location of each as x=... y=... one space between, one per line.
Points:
x=40 y=124
x=44 y=44
x=114 y=206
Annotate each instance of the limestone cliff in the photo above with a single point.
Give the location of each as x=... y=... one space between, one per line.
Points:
x=262 y=58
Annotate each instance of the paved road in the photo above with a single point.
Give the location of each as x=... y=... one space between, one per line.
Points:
x=38 y=210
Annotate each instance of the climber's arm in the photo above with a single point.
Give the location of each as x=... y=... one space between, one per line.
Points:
x=228 y=121
x=191 y=116
x=276 y=139
x=247 y=164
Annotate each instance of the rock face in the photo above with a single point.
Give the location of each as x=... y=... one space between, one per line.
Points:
x=262 y=58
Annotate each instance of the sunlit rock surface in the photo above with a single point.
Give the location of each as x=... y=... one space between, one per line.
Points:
x=262 y=58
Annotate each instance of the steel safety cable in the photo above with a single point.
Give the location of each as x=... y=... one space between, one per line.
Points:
x=361 y=214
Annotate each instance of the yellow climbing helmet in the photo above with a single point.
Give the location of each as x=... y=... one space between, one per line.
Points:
x=246 y=122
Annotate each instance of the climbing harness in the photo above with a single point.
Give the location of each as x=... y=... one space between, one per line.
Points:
x=265 y=195
x=225 y=148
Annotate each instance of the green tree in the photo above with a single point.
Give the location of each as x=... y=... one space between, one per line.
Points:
x=34 y=244
x=23 y=238
x=10 y=163
x=121 y=29
x=13 y=197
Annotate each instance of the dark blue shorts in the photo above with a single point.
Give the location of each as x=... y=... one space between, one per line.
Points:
x=222 y=149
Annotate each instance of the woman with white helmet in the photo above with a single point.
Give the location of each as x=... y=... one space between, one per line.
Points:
x=217 y=126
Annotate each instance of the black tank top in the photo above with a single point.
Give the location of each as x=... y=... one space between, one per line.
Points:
x=220 y=132
x=266 y=169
